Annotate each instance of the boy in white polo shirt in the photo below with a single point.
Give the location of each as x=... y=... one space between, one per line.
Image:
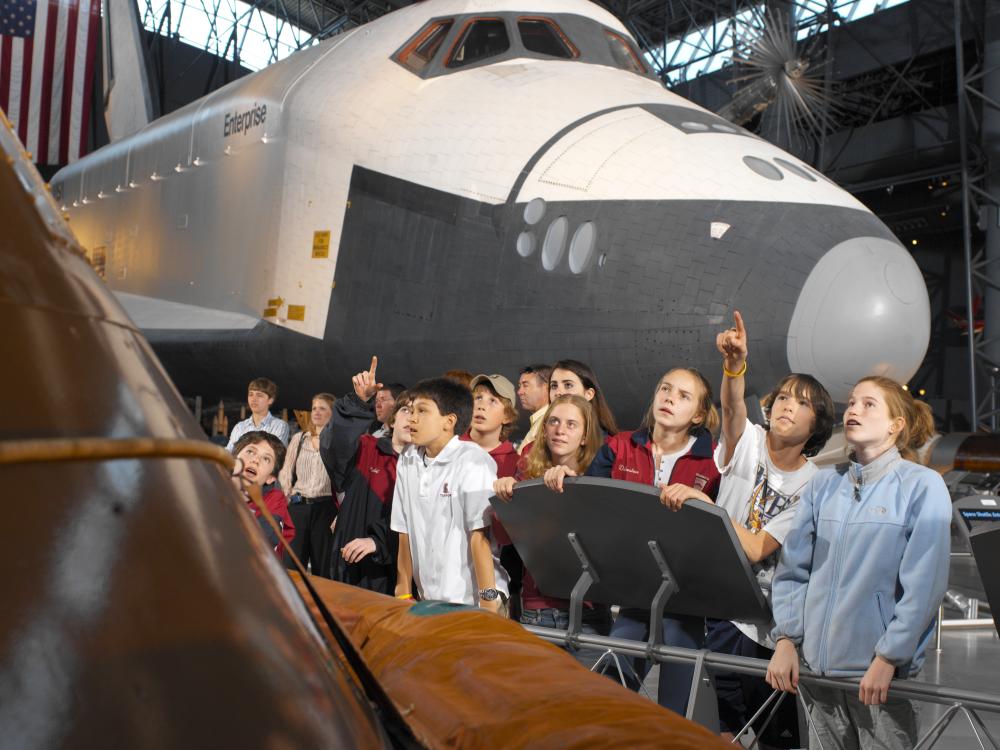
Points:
x=441 y=506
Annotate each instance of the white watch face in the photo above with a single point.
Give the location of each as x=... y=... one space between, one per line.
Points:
x=488 y=594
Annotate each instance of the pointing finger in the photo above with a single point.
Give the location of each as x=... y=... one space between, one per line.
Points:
x=741 y=330
x=371 y=370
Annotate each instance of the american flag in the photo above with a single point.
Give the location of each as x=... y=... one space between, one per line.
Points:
x=47 y=57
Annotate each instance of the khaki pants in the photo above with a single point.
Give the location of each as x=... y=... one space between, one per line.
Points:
x=839 y=721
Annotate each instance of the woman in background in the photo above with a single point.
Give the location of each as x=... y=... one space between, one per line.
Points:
x=310 y=496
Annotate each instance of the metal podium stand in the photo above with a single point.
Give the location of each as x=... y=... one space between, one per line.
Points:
x=613 y=542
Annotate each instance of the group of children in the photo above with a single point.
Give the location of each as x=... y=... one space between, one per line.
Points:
x=853 y=561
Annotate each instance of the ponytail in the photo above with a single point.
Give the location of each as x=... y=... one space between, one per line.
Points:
x=921 y=428
x=918 y=420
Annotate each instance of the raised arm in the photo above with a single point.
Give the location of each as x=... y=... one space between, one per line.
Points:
x=732 y=345
x=352 y=415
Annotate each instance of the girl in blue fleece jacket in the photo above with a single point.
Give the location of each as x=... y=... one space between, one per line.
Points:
x=862 y=573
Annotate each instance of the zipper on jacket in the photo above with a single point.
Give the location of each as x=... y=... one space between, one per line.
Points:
x=835 y=584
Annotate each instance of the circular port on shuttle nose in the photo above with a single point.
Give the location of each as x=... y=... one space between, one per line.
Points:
x=534 y=211
x=554 y=244
x=525 y=244
x=863 y=310
x=581 y=247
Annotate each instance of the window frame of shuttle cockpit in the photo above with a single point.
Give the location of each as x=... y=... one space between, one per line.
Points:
x=588 y=38
x=636 y=59
x=426 y=32
x=459 y=39
x=568 y=45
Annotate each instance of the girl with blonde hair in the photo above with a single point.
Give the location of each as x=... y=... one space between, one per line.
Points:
x=569 y=439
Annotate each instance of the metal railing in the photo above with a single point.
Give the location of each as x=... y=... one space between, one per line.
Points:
x=957 y=701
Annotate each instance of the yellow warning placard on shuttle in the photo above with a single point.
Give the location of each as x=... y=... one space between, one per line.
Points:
x=296 y=312
x=321 y=243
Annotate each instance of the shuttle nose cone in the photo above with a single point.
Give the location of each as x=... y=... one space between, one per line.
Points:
x=863 y=310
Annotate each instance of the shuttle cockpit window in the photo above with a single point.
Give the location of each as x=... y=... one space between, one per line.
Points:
x=543 y=36
x=455 y=45
x=624 y=54
x=422 y=49
x=481 y=39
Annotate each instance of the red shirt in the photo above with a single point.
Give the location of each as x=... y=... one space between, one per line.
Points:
x=628 y=456
x=505 y=456
x=378 y=469
x=507 y=459
x=276 y=502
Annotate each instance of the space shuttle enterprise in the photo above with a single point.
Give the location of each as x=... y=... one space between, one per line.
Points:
x=481 y=184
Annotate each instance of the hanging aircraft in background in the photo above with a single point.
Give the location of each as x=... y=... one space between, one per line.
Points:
x=483 y=185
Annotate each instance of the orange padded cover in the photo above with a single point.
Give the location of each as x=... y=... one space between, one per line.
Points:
x=469 y=679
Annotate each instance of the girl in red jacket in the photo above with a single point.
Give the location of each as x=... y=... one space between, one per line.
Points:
x=673 y=451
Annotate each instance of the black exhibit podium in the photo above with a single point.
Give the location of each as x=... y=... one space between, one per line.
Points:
x=613 y=542
x=985 y=543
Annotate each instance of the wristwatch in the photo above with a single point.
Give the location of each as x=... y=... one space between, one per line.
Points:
x=489 y=595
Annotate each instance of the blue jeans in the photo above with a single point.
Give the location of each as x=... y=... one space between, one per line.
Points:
x=675 y=679
x=596 y=621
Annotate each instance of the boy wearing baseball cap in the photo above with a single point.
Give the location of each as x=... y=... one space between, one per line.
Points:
x=494 y=416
